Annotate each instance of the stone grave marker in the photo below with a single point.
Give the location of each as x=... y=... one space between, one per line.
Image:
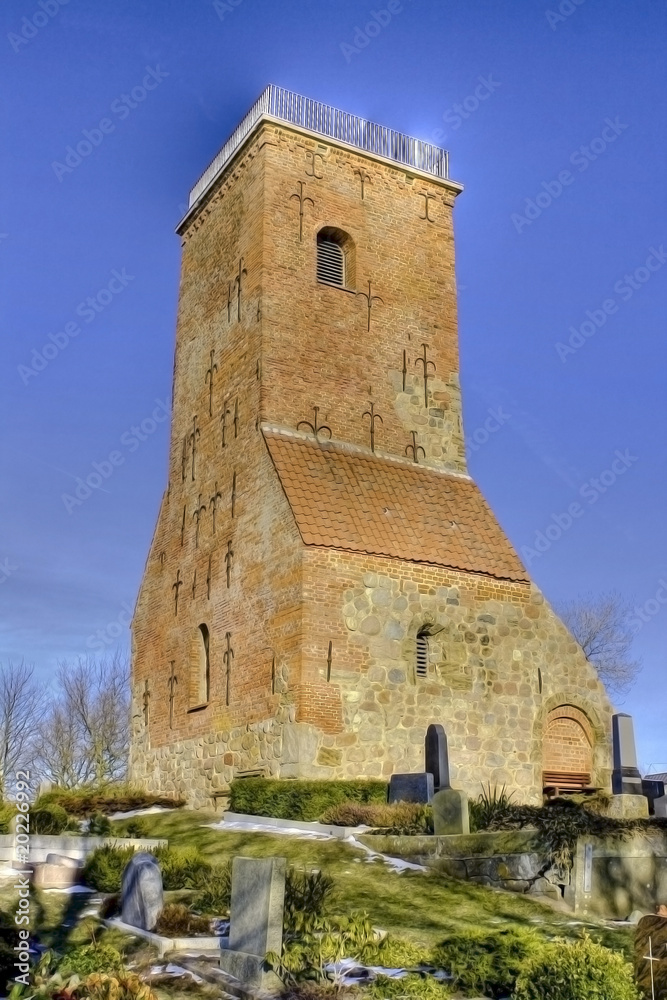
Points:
x=660 y=807
x=256 y=919
x=141 y=892
x=651 y=957
x=436 y=756
x=450 y=813
x=625 y=779
x=416 y=787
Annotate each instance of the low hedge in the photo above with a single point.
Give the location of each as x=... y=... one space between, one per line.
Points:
x=300 y=800
x=86 y=801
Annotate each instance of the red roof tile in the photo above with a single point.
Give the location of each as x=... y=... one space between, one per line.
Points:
x=348 y=499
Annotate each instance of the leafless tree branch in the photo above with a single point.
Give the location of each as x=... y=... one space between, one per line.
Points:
x=601 y=626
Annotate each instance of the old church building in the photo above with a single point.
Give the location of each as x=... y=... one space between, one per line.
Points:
x=325 y=579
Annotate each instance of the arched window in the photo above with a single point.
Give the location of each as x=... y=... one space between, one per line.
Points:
x=567 y=750
x=422 y=653
x=335 y=258
x=200 y=670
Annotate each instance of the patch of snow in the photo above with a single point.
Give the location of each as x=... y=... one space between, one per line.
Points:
x=148 y=811
x=229 y=826
x=396 y=864
x=72 y=890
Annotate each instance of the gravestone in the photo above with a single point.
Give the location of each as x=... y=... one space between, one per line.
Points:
x=141 y=892
x=625 y=779
x=651 y=956
x=410 y=788
x=653 y=788
x=256 y=919
x=436 y=756
x=450 y=813
x=660 y=807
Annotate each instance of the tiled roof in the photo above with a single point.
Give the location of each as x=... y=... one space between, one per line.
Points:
x=345 y=498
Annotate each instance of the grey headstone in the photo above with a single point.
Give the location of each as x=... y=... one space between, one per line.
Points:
x=653 y=789
x=436 y=756
x=258 y=899
x=660 y=807
x=411 y=788
x=625 y=779
x=450 y=813
x=141 y=892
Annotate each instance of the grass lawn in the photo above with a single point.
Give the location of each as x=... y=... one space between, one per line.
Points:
x=424 y=907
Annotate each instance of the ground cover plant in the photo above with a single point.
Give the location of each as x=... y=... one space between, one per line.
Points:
x=582 y=970
x=83 y=802
x=487 y=961
x=181 y=867
x=300 y=800
x=559 y=823
x=399 y=818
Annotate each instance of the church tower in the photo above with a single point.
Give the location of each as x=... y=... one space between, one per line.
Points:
x=325 y=580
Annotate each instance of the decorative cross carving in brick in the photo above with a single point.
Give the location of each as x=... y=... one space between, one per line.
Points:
x=329 y=660
x=233 y=492
x=208 y=578
x=412 y=450
x=315 y=428
x=172 y=682
x=237 y=282
x=184 y=459
x=425 y=363
x=370 y=299
x=229 y=556
x=176 y=586
x=313 y=163
x=236 y=418
x=209 y=381
x=223 y=420
x=364 y=178
x=229 y=301
x=300 y=198
x=146 y=702
x=194 y=584
x=197 y=513
x=427 y=200
x=194 y=437
x=183 y=527
x=227 y=657
x=213 y=503
x=372 y=416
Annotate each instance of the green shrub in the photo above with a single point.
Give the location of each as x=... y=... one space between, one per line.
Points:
x=299 y=800
x=306 y=896
x=330 y=939
x=214 y=891
x=48 y=818
x=176 y=920
x=397 y=953
x=407 y=988
x=492 y=809
x=580 y=971
x=99 y=825
x=487 y=962
x=85 y=801
x=6 y=816
x=104 y=868
x=134 y=828
x=400 y=818
x=182 y=867
x=89 y=958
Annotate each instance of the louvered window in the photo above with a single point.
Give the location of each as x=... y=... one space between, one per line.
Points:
x=422 y=654
x=330 y=263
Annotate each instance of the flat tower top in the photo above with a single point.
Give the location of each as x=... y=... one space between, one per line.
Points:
x=284 y=105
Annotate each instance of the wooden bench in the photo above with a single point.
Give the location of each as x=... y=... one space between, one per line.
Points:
x=556 y=782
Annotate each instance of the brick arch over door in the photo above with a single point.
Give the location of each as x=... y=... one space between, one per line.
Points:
x=567 y=749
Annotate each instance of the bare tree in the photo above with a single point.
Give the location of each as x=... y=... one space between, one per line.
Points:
x=85 y=734
x=21 y=707
x=601 y=626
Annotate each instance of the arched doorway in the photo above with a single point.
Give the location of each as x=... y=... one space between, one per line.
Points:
x=567 y=750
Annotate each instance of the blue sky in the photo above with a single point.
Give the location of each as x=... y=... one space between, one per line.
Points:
x=554 y=115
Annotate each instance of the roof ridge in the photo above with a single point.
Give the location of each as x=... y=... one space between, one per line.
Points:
x=346 y=448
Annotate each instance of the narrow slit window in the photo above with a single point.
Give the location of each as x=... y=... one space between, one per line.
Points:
x=422 y=654
x=330 y=263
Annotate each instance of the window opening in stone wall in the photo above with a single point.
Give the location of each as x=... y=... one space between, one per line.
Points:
x=335 y=258
x=200 y=670
x=422 y=654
